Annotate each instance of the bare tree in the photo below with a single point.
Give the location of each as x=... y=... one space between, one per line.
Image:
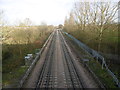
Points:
x=26 y=22
x=66 y=23
x=4 y=31
x=69 y=23
x=81 y=12
x=97 y=15
x=105 y=16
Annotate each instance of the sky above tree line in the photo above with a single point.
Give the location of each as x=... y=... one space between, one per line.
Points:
x=53 y=12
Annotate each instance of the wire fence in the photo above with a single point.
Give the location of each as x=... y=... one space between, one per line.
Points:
x=97 y=56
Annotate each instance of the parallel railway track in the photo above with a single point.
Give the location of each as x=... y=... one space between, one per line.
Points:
x=45 y=74
x=47 y=77
x=58 y=67
x=74 y=76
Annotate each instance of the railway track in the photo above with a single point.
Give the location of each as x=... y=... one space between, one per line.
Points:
x=57 y=68
x=47 y=77
x=73 y=74
x=45 y=74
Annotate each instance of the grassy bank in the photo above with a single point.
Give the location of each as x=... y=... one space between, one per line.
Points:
x=109 y=45
x=95 y=66
x=15 y=48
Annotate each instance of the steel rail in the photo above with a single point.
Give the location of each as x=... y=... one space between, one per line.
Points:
x=44 y=69
x=25 y=76
x=71 y=65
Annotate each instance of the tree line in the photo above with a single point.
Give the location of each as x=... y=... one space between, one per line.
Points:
x=97 y=18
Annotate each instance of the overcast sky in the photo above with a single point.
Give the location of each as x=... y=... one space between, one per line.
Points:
x=49 y=11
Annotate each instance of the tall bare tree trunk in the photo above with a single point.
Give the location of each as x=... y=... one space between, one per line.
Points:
x=100 y=39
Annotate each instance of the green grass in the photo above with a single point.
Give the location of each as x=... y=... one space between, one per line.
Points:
x=110 y=39
x=102 y=74
x=95 y=66
x=116 y=69
x=13 y=63
x=12 y=78
x=16 y=61
x=110 y=45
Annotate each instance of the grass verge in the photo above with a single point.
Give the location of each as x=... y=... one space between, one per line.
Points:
x=95 y=66
x=14 y=65
x=11 y=79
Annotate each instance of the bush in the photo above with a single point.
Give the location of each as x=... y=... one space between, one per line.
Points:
x=6 y=55
x=21 y=42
